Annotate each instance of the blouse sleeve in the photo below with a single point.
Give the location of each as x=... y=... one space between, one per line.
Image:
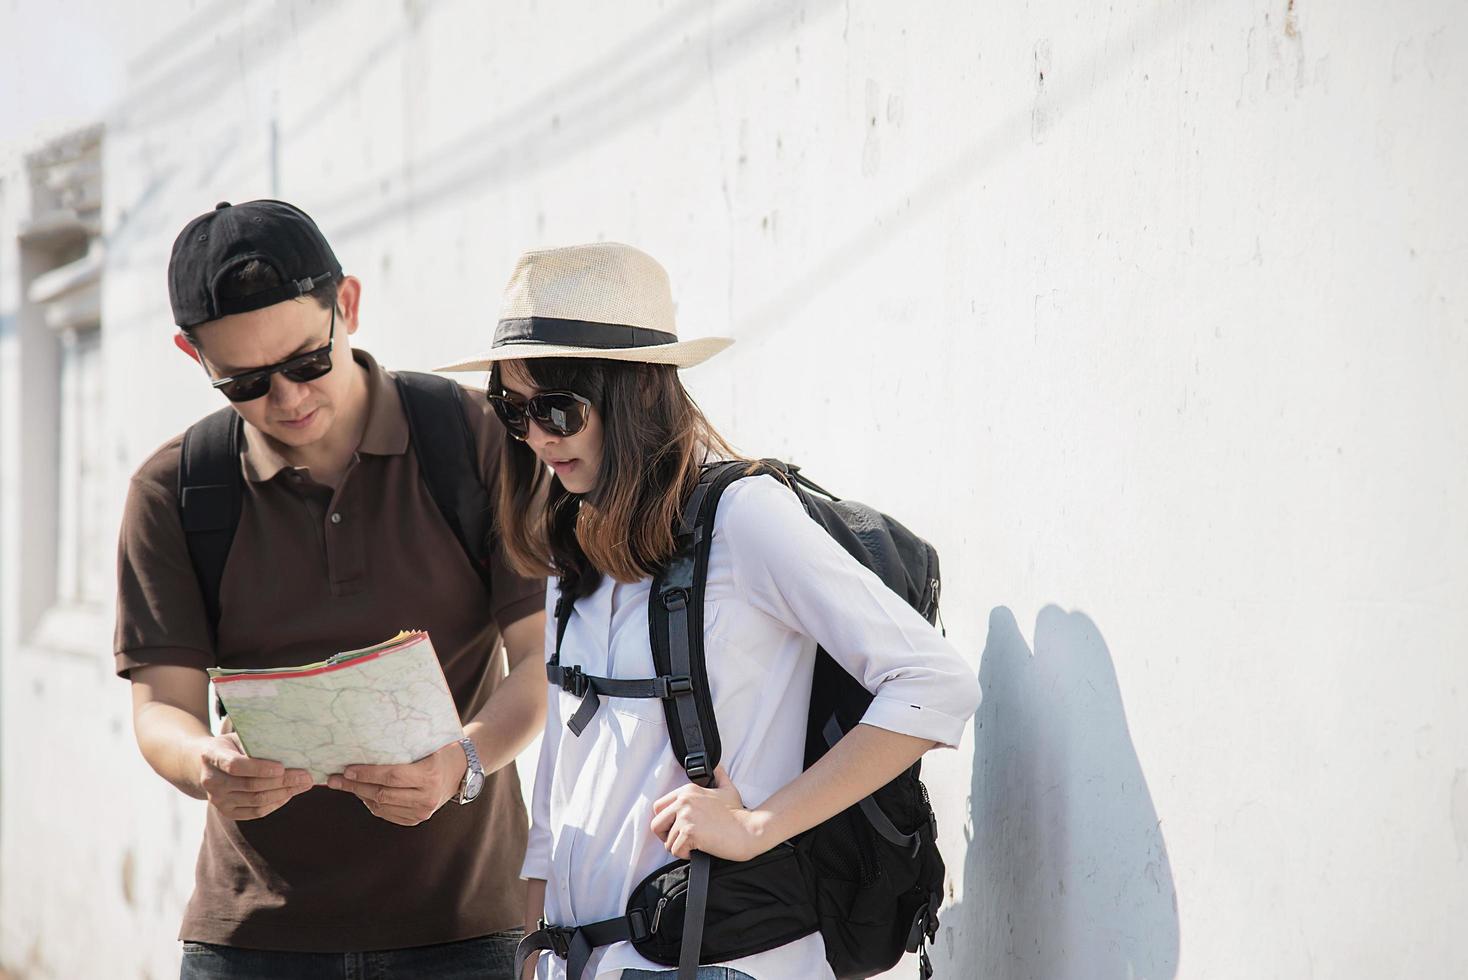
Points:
x=789 y=568
x=537 y=862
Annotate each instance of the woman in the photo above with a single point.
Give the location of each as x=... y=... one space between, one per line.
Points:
x=607 y=446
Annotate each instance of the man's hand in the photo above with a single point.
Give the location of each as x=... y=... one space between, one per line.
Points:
x=241 y=788
x=714 y=821
x=407 y=794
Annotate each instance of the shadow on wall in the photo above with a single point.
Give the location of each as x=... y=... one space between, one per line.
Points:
x=1067 y=874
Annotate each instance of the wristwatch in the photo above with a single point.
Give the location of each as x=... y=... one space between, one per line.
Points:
x=473 y=776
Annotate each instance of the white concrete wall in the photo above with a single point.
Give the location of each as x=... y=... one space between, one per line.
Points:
x=1150 y=316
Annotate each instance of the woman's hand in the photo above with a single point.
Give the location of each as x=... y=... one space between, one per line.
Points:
x=713 y=821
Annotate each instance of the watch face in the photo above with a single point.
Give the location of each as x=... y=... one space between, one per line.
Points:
x=474 y=785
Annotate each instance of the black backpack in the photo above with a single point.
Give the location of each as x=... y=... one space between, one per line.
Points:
x=869 y=879
x=211 y=484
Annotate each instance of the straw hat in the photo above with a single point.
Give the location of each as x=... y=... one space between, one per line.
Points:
x=604 y=300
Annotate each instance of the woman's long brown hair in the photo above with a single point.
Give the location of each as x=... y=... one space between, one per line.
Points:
x=654 y=439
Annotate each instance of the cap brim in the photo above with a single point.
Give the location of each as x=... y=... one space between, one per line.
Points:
x=685 y=353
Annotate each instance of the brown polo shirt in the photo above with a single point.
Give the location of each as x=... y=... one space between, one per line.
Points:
x=311 y=572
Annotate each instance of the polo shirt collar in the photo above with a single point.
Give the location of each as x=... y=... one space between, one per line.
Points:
x=385 y=434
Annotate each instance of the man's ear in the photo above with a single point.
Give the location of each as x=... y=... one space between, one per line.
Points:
x=182 y=343
x=348 y=297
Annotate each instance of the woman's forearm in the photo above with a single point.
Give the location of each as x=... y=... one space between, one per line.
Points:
x=865 y=760
x=534 y=910
x=534 y=903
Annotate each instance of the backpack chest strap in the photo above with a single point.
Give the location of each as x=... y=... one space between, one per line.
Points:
x=591 y=689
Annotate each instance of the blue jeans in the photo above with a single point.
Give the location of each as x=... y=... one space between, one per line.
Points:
x=704 y=973
x=489 y=957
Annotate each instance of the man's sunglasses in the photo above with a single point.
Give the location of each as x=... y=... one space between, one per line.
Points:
x=300 y=369
x=560 y=413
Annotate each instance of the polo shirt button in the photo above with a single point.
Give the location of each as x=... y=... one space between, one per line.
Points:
x=336 y=518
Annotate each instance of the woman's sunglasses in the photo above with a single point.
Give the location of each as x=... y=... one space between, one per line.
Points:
x=300 y=369
x=560 y=413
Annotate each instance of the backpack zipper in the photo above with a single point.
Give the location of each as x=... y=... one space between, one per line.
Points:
x=657 y=914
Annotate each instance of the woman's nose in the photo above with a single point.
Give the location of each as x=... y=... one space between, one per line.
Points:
x=537 y=438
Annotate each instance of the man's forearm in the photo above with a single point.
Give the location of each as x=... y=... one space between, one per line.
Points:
x=513 y=715
x=169 y=737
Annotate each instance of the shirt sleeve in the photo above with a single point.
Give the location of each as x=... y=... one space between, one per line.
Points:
x=537 y=862
x=789 y=568
x=160 y=607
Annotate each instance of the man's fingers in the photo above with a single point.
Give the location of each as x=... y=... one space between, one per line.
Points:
x=368 y=792
x=262 y=784
x=246 y=800
x=381 y=795
x=252 y=806
x=382 y=775
x=253 y=812
x=402 y=816
x=243 y=765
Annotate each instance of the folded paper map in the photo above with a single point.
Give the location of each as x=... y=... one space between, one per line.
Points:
x=384 y=705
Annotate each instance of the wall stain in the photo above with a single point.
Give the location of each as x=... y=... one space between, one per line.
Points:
x=129 y=879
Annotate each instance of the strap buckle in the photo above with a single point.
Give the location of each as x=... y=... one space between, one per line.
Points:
x=696 y=765
x=924 y=929
x=637 y=926
x=669 y=686
x=674 y=599
x=574 y=681
x=559 y=936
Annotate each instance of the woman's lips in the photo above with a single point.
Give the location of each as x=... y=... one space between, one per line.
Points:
x=563 y=466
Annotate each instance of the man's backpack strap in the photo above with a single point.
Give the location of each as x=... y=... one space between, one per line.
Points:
x=210 y=497
x=449 y=459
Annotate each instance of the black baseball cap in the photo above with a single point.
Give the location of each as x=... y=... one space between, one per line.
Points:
x=280 y=235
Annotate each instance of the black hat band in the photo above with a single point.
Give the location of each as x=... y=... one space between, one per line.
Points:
x=557 y=332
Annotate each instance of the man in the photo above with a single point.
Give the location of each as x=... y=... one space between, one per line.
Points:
x=335 y=543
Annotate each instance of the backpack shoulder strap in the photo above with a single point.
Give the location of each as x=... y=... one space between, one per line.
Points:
x=210 y=498
x=675 y=624
x=449 y=459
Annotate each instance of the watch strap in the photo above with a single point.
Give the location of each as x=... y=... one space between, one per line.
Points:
x=472 y=754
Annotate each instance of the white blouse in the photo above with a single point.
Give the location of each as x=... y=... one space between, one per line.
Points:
x=778 y=584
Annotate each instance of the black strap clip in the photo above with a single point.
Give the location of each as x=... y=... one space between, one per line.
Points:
x=559 y=936
x=670 y=686
x=637 y=926
x=574 y=682
x=924 y=929
x=674 y=599
x=697 y=766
